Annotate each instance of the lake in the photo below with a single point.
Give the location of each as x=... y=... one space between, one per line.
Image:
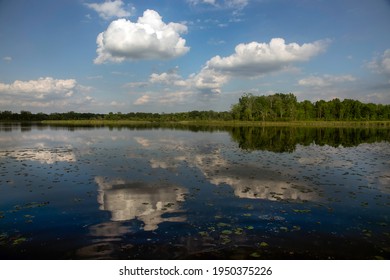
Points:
x=194 y=192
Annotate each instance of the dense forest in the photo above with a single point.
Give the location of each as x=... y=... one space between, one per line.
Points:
x=285 y=107
x=276 y=107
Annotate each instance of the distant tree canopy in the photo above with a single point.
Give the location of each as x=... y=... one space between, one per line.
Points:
x=276 y=107
x=285 y=107
x=136 y=116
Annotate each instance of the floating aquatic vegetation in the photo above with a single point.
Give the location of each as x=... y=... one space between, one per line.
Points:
x=18 y=240
x=225 y=239
x=296 y=228
x=30 y=205
x=223 y=225
x=3 y=239
x=263 y=244
x=303 y=211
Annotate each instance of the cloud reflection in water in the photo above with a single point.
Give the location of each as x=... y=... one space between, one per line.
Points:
x=141 y=200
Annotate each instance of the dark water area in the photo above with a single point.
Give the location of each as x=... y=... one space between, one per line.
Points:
x=194 y=192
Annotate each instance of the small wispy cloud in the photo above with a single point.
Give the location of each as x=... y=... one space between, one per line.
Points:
x=142 y=100
x=7 y=58
x=325 y=80
x=381 y=63
x=223 y=4
x=111 y=9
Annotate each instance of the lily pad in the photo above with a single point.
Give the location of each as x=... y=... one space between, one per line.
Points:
x=19 y=240
x=263 y=244
x=284 y=229
x=302 y=210
x=227 y=232
x=211 y=228
x=223 y=225
x=225 y=239
x=255 y=255
x=296 y=228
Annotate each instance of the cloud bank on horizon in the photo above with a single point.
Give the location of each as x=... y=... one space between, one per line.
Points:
x=190 y=55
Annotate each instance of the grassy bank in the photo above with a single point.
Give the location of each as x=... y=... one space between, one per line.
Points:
x=220 y=123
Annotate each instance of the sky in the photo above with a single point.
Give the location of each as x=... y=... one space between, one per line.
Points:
x=176 y=56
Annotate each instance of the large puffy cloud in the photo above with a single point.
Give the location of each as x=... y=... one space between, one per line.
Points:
x=256 y=59
x=148 y=38
x=109 y=9
x=249 y=60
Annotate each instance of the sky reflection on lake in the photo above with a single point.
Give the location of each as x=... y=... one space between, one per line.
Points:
x=174 y=193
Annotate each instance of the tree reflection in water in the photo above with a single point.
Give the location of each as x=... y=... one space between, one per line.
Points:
x=285 y=139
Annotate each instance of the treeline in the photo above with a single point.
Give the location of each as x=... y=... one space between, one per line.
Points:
x=134 y=116
x=285 y=107
x=276 y=107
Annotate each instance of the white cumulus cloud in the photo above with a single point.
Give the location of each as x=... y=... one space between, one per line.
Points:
x=45 y=92
x=142 y=100
x=325 y=80
x=256 y=59
x=168 y=78
x=249 y=61
x=148 y=38
x=40 y=88
x=110 y=9
x=206 y=81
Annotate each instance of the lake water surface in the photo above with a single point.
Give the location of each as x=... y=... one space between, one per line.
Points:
x=150 y=192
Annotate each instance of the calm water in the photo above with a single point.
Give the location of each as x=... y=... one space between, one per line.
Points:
x=180 y=193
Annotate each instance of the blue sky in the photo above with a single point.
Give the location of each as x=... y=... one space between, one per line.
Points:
x=172 y=56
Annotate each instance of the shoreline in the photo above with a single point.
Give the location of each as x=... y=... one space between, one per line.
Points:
x=383 y=124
